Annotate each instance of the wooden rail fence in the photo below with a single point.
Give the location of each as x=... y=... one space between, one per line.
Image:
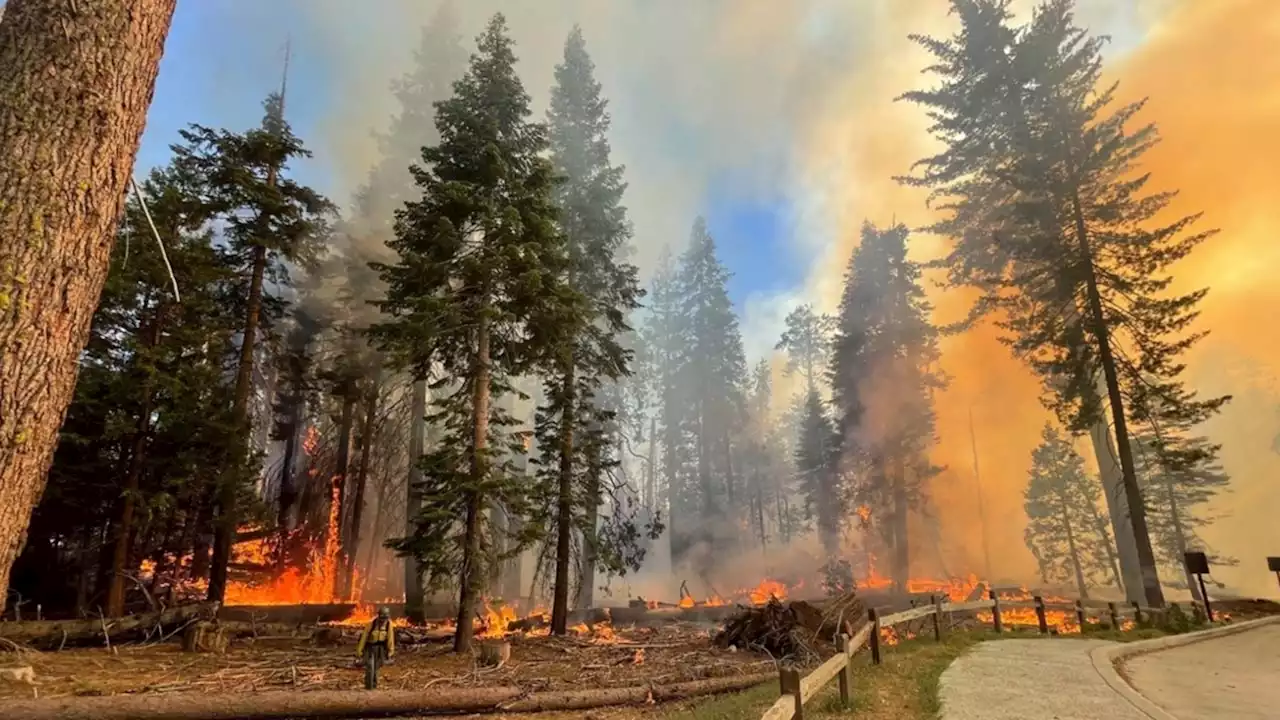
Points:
x=798 y=690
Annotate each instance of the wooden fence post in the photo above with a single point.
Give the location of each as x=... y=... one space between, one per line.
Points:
x=846 y=673
x=937 y=617
x=1080 y=615
x=1115 y=616
x=995 y=611
x=789 y=678
x=1137 y=613
x=874 y=618
x=1040 y=618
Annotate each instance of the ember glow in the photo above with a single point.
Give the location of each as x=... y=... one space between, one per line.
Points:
x=316 y=584
x=767 y=589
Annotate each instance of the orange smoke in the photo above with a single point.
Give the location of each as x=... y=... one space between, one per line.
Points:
x=1213 y=80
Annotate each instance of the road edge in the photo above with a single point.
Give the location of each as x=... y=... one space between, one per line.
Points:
x=1106 y=658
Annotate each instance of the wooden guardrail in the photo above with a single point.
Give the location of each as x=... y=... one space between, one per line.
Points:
x=797 y=690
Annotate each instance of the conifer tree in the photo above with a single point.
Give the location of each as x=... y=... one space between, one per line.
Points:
x=883 y=377
x=761 y=458
x=817 y=472
x=1063 y=529
x=268 y=220
x=147 y=429
x=439 y=61
x=807 y=341
x=666 y=342
x=476 y=290
x=575 y=430
x=1180 y=474
x=1054 y=222
x=713 y=377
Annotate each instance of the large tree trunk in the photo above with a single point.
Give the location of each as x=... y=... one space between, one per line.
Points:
x=346 y=422
x=1133 y=494
x=77 y=82
x=901 y=548
x=362 y=481
x=133 y=478
x=1126 y=549
x=285 y=516
x=1081 y=587
x=472 y=576
x=564 y=503
x=228 y=515
x=428 y=701
x=413 y=595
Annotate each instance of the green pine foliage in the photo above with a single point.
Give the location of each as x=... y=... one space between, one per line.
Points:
x=817 y=472
x=712 y=382
x=576 y=430
x=149 y=423
x=883 y=377
x=807 y=341
x=267 y=220
x=1052 y=218
x=477 y=292
x=664 y=350
x=1065 y=529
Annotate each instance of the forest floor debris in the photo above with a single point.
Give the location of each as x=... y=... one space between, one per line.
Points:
x=678 y=652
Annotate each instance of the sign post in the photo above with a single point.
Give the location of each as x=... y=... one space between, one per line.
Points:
x=1198 y=565
x=1273 y=564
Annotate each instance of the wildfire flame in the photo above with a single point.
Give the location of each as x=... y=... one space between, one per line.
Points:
x=767 y=589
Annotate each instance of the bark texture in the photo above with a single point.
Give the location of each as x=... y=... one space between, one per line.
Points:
x=78 y=79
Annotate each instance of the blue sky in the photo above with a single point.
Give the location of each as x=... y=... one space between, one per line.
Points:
x=217 y=69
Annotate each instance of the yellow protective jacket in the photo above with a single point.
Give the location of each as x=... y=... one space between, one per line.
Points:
x=379 y=631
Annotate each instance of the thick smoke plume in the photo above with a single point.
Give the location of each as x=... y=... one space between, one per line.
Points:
x=797 y=98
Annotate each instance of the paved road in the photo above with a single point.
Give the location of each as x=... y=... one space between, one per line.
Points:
x=1236 y=677
x=1049 y=679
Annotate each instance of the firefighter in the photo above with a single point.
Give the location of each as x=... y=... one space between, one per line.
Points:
x=377 y=645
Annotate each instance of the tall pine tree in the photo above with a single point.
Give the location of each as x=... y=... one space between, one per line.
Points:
x=476 y=289
x=439 y=61
x=1064 y=529
x=883 y=376
x=1053 y=221
x=817 y=472
x=713 y=377
x=807 y=341
x=575 y=430
x=665 y=350
x=269 y=219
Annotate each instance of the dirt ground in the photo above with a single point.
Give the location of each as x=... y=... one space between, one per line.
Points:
x=668 y=654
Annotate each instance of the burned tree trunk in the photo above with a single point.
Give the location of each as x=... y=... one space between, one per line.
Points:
x=413 y=595
x=77 y=82
x=901 y=549
x=564 y=509
x=228 y=516
x=362 y=481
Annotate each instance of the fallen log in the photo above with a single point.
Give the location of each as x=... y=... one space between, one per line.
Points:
x=362 y=704
x=57 y=633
